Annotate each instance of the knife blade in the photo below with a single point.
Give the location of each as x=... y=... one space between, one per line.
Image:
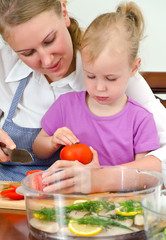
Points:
x=18 y=155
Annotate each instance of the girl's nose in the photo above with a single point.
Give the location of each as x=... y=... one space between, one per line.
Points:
x=100 y=86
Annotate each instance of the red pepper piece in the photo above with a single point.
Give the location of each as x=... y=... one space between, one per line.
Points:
x=6 y=191
x=11 y=193
x=14 y=196
x=12 y=186
x=32 y=171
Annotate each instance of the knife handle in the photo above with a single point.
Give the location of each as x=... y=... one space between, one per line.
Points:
x=7 y=151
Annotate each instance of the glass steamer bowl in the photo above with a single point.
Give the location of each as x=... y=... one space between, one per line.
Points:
x=154 y=208
x=114 y=213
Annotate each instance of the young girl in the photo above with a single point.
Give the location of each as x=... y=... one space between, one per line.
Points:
x=103 y=116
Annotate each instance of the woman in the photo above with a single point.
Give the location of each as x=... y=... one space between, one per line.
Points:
x=41 y=62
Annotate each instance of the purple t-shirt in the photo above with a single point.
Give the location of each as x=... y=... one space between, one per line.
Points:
x=116 y=138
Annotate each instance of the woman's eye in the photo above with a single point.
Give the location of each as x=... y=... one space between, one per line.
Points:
x=27 y=54
x=49 y=41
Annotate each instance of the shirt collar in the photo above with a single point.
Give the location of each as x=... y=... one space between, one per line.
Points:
x=18 y=72
x=74 y=80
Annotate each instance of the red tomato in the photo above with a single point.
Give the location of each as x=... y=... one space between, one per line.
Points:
x=36 y=180
x=78 y=151
x=32 y=171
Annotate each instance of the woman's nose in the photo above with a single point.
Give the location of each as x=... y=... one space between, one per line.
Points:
x=46 y=58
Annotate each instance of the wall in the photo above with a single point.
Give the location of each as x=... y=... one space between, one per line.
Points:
x=153 y=47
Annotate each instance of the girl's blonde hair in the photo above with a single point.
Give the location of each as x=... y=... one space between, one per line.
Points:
x=128 y=19
x=15 y=12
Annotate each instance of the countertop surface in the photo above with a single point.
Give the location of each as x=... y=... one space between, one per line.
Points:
x=6 y=203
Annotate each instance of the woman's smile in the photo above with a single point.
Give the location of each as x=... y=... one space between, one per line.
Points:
x=55 y=67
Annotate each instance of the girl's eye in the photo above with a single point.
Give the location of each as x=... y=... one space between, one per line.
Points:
x=111 y=79
x=91 y=77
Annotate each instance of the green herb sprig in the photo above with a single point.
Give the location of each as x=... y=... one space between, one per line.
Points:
x=131 y=206
x=100 y=222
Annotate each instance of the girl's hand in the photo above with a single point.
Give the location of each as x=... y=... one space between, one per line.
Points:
x=5 y=141
x=74 y=176
x=64 y=136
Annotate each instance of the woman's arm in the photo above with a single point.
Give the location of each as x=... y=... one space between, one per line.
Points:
x=139 y=90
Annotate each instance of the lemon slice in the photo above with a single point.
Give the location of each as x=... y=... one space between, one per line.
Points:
x=122 y=213
x=83 y=229
x=39 y=216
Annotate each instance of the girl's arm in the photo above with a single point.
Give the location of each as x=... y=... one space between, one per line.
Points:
x=145 y=162
x=149 y=163
x=45 y=145
x=102 y=180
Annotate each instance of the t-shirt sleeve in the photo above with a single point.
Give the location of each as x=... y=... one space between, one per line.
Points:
x=146 y=136
x=53 y=118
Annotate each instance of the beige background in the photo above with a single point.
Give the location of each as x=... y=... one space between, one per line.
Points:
x=153 y=48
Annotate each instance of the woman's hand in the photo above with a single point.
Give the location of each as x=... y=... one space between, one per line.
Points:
x=5 y=141
x=74 y=176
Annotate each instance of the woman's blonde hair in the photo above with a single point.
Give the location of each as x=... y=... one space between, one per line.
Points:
x=128 y=19
x=15 y=12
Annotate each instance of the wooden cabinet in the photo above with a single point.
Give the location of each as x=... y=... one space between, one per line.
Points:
x=157 y=82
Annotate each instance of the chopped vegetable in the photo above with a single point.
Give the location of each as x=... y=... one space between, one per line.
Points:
x=129 y=208
x=32 y=171
x=91 y=214
x=139 y=220
x=10 y=192
x=83 y=229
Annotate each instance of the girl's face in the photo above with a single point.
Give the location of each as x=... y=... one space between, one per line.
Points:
x=44 y=44
x=107 y=77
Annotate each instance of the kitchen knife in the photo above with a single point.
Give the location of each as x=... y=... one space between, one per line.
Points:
x=18 y=155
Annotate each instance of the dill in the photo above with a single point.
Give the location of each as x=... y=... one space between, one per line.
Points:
x=131 y=206
x=51 y=214
x=61 y=214
x=100 y=222
x=91 y=206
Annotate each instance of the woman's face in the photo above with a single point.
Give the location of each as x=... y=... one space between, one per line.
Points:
x=44 y=44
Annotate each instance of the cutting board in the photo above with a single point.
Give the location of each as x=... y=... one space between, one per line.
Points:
x=7 y=203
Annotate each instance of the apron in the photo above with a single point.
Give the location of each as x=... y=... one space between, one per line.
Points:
x=23 y=138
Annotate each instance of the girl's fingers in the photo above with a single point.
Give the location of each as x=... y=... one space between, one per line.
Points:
x=68 y=183
x=95 y=160
x=57 y=176
x=65 y=136
x=69 y=180
x=64 y=164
